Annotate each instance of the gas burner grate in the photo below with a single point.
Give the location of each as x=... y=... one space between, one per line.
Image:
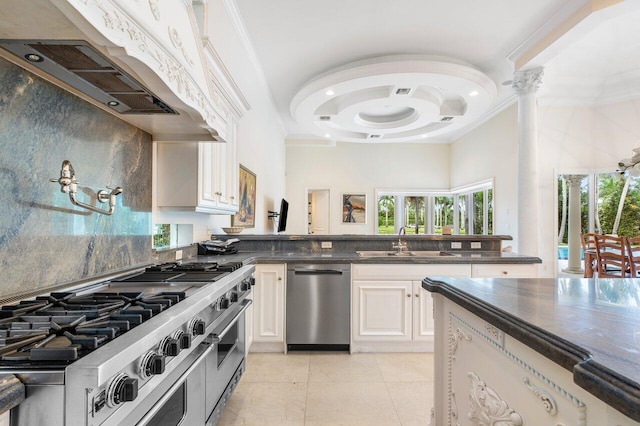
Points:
x=62 y=327
x=230 y=267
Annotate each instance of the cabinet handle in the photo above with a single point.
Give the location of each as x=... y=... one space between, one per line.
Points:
x=279 y=278
x=408 y=295
x=505 y=272
x=417 y=295
x=232 y=197
x=218 y=193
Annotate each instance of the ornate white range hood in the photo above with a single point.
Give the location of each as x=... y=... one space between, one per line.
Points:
x=156 y=44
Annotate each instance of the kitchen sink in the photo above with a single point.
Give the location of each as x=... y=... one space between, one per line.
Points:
x=394 y=253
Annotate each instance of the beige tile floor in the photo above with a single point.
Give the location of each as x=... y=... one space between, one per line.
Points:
x=333 y=389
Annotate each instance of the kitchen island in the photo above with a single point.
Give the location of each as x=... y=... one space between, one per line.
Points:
x=536 y=351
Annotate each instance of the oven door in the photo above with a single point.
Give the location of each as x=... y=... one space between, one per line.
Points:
x=224 y=361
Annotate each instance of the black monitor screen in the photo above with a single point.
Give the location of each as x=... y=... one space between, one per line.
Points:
x=282 y=217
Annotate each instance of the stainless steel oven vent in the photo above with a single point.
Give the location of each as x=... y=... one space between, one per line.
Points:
x=81 y=66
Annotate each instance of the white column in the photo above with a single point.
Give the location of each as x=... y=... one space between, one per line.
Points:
x=574 y=264
x=526 y=84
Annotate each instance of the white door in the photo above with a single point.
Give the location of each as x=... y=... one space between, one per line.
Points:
x=318 y=211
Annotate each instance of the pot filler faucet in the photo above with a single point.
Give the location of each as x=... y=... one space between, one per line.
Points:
x=401 y=246
x=69 y=185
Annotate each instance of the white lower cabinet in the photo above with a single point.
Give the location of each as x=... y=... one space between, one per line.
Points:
x=484 y=376
x=268 y=307
x=390 y=310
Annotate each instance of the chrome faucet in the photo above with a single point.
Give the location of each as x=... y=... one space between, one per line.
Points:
x=401 y=246
x=69 y=185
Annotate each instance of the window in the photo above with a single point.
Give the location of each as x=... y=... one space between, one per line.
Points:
x=467 y=210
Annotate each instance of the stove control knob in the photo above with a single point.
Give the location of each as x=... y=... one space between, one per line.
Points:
x=246 y=284
x=196 y=327
x=122 y=389
x=169 y=347
x=184 y=339
x=224 y=303
x=128 y=391
x=151 y=364
x=233 y=297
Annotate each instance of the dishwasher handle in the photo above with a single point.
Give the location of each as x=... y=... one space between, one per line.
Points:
x=318 y=272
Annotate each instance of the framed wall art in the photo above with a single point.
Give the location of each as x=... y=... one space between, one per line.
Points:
x=246 y=216
x=354 y=208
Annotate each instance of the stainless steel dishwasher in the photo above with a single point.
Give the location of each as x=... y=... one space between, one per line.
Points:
x=318 y=306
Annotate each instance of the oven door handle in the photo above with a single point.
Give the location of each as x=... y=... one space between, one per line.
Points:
x=245 y=304
x=169 y=393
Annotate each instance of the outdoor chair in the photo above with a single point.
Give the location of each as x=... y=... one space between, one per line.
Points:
x=611 y=256
x=633 y=255
x=588 y=242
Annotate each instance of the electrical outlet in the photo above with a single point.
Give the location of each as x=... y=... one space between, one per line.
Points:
x=456 y=245
x=178 y=254
x=326 y=244
x=476 y=245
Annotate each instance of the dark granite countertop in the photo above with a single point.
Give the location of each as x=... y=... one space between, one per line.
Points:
x=461 y=257
x=590 y=327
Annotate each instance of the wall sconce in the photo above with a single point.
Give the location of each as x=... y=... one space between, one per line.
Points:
x=69 y=185
x=631 y=164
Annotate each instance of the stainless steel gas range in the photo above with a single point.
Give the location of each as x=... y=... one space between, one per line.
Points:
x=160 y=346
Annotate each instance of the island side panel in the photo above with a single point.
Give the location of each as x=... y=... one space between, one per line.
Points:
x=483 y=374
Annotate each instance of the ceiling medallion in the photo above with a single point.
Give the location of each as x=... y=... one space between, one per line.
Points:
x=394 y=98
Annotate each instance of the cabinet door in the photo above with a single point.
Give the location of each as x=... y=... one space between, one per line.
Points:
x=232 y=183
x=268 y=300
x=422 y=313
x=504 y=271
x=382 y=310
x=220 y=173
x=206 y=178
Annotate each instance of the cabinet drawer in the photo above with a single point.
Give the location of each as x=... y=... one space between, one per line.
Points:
x=504 y=271
x=407 y=271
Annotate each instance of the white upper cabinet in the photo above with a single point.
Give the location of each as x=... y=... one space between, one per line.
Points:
x=198 y=176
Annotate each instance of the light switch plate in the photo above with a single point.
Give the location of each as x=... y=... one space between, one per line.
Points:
x=456 y=245
x=178 y=254
x=326 y=244
x=476 y=245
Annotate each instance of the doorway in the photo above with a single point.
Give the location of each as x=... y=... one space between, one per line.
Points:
x=318 y=211
x=607 y=203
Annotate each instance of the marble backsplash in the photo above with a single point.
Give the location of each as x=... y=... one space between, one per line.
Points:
x=44 y=239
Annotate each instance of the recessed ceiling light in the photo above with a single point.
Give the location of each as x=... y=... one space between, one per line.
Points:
x=507 y=83
x=330 y=92
x=327 y=135
x=423 y=136
x=474 y=93
x=113 y=103
x=32 y=57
